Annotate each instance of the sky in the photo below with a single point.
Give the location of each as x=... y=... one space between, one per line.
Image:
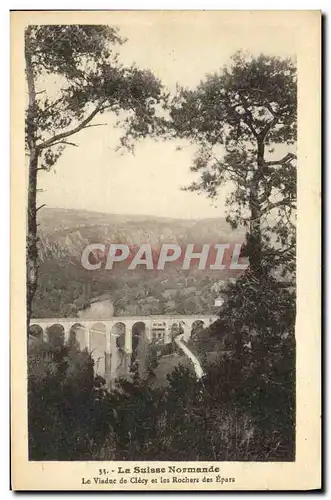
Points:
x=96 y=177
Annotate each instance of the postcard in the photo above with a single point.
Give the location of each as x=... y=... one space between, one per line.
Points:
x=165 y=250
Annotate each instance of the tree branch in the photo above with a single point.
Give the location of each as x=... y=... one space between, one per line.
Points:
x=287 y=159
x=264 y=132
x=280 y=251
x=63 y=135
x=41 y=206
x=248 y=119
x=269 y=108
x=52 y=105
x=288 y=202
x=96 y=125
x=65 y=142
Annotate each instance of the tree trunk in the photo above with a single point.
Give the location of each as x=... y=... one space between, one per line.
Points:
x=32 y=239
x=254 y=240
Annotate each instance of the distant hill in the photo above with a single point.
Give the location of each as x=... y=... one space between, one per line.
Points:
x=65 y=287
x=66 y=233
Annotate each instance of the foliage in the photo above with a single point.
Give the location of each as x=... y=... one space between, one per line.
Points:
x=235 y=413
x=63 y=292
x=258 y=323
x=87 y=80
x=67 y=412
x=241 y=119
x=237 y=118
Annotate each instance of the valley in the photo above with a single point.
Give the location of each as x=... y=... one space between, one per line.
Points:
x=67 y=289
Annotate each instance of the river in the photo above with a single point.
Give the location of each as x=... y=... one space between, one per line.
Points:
x=100 y=309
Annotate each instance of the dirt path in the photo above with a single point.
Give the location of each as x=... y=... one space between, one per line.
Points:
x=197 y=366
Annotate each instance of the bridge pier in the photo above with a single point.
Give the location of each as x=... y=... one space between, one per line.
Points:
x=113 y=354
x=66 y=329
x=108 y=340
x=187 y=332
x=167 y=333
x=107 y=374
x=128 y=339
x=148 y=334
x=87 y=339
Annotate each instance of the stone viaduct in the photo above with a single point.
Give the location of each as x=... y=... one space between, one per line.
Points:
x=112 y=341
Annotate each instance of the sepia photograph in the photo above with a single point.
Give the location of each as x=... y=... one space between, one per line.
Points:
x=160 y=220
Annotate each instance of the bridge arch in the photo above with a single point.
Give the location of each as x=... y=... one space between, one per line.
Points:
x=77 y=335
x=119 y=331
x=139 y=329
x=197 y=326
x=181 y=327
x=117 y=357
x=56 y=334
x=36 y=331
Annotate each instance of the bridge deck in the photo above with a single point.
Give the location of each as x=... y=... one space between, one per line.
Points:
x=120 y=319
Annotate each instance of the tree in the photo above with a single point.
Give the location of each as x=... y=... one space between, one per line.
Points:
x=68 y=411
x=237 y=117
x=231 y=415
x=262 y=352
x=243 y=120
x=73 y=75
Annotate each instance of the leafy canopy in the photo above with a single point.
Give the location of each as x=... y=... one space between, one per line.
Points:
x=79 y=66
x=237 y=118
x=252 y=98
